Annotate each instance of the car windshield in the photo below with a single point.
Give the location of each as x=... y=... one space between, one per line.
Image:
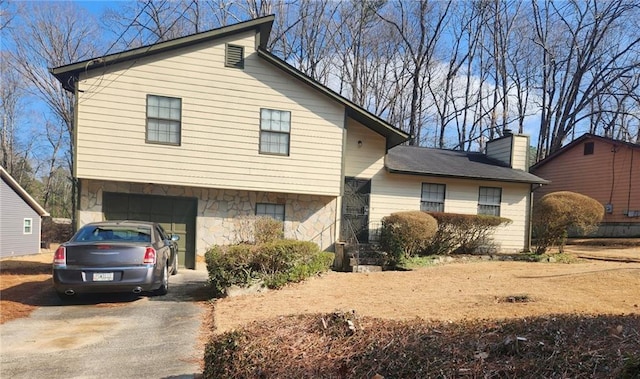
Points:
x=113 y=233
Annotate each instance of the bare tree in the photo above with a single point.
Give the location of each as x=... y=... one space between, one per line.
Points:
x=304 y=36
x=6 y=14
x=420 y=28
x=586 y=48
x=223 y=12
x=50 y=36
x=12 y=92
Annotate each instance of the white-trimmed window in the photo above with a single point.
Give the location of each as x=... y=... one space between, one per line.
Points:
x=27 y=226
x=432 y=198
x=489 y=199
x=275 y=211
x=275 y=129
x=164 y=119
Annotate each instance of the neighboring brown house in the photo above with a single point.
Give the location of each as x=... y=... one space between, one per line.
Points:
x=605 y=169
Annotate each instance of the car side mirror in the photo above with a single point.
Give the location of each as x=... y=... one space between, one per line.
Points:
x=175 y=237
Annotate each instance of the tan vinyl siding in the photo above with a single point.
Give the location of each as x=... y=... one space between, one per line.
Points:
x=397 y=192
x=500 y=150
x=597 y=175
x=366 y=160
x=220 y=125
x=511 y=150
x=520 y=159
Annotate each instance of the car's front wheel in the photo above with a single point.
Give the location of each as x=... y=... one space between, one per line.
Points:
x=164 y=288
x=174 y=267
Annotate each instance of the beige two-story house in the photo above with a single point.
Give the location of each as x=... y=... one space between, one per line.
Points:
x=203 y=131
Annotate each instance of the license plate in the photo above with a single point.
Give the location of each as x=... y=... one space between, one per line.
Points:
x=102 y=276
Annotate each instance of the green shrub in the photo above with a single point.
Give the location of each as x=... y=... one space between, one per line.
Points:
x=463 y=233
x=404 y=234
x=267 y=229
x=418 y=262
x=286 y=261
x=275 y=264
x=556 y=212
x=230 y=265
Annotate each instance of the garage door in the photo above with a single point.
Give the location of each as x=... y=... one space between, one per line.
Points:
x=177 y=215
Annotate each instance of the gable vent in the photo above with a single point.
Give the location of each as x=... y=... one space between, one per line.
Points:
x=234 y=56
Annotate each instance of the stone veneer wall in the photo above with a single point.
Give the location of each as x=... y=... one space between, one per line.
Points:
x=222 y=213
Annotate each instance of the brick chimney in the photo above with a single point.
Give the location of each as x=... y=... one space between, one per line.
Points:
x=510 y=149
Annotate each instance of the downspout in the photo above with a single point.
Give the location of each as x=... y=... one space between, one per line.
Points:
x=338 y=222
x=340 y=261
x=630 y=179
x=74 y=174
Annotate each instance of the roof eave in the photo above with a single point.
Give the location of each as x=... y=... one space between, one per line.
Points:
x=68 y=73
x=23 y=193
x=417 y=173
x=393 y=136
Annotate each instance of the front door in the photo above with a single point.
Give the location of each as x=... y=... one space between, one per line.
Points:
x=355 y=210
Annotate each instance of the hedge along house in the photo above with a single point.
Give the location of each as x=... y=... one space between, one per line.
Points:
x=20 y=219
x=201 y=132
x=605 y=169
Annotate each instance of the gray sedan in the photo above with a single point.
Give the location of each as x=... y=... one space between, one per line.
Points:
x=116 y=256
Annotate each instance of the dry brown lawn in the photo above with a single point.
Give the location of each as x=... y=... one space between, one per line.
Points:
x=456 y=291
x=25 y=284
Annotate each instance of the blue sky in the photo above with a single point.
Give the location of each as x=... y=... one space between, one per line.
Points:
x=97 y=6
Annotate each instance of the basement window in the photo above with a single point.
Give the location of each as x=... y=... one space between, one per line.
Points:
x=234 y=56
x=275 y=211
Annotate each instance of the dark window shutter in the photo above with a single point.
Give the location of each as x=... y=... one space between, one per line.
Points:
x=234 y=56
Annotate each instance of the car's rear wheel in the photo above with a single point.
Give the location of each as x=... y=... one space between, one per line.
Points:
x=64 y=297
x=164 y=288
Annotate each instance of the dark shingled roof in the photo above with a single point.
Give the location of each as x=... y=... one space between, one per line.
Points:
x=414 y=160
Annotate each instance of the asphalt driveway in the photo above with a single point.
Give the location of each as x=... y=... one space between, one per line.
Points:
x=110 y=336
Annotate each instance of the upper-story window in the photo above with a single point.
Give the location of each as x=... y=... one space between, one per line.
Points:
x=588 y=148
x=489 y=199
x=164 y=119
x=432 y=198
x=234 y=56
x=27 y=226
x=275 y=129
